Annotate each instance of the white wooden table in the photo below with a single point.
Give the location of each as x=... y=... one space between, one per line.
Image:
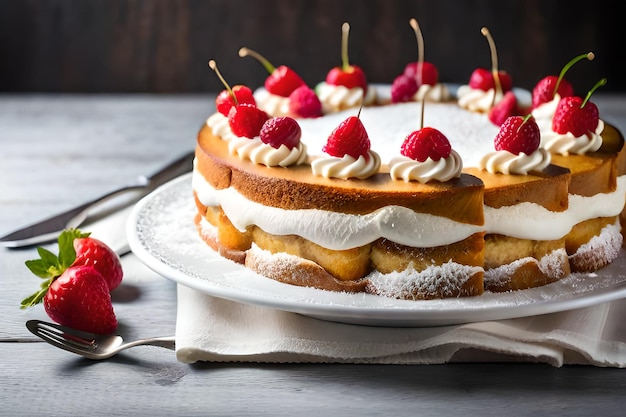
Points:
x=59 y=150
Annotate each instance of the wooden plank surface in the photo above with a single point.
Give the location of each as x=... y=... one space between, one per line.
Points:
x=59 y=150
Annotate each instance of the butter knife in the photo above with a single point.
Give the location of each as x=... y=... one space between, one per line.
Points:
x=48 y=230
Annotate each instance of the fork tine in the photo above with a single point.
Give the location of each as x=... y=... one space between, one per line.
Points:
x=59 y=337
x=76 y=336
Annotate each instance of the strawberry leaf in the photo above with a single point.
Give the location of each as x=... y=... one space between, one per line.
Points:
x=39 y=268
x=50 y=266
x=47 y=258
x=37 y=297
x=67 y=253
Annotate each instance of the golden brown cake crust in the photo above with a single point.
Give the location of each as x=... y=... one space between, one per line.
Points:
x=296 y=188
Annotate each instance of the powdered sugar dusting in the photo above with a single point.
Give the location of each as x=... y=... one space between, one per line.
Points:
x=433 y=282
x=551 y=265
x=600 y=250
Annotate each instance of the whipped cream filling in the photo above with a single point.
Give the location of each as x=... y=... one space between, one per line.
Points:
x=337 y=97
x=477 y=100
x=540 y=223
x=261 y=153
x=336 y=231
x=564 y=143
x=407 y=169
x=339 y=231
x=347 y=166
x=506 y=162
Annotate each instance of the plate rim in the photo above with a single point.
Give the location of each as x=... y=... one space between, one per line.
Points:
x=391 y=315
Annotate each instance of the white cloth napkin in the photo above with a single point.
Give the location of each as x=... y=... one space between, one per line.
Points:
x=213 y=329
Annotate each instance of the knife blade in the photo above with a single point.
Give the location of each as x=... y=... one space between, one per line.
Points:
x=48 y=229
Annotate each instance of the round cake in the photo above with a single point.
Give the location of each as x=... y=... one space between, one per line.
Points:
x=420 y=198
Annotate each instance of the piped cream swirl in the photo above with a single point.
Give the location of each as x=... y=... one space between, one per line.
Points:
x=506 y=162
x=272 y=104
x=407 y=169
x=261 y=153
x=474 y=99
x=220 y=127
x=347 y=166
x=337 y=97
x=564 y=143
x=437 y=92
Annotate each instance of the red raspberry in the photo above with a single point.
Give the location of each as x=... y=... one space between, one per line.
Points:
x=430 y=75
x=303 y=102
x=279 y=131
x=518 y=134
x=504 y=109
x=403 y=89
x=246 y=120
x=224 y=100
x=544 y=90
x=426 y=143
x=570 y=116
x=349 y=138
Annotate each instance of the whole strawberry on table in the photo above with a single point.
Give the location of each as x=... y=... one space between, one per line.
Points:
x=77 y=282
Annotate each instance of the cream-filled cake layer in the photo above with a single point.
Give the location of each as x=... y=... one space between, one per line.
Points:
x=340 y=231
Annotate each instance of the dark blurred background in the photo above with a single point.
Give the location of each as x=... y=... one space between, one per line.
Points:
x=162 y=46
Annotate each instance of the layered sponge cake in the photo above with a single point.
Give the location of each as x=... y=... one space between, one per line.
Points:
x=405 y=239
x=413 y=191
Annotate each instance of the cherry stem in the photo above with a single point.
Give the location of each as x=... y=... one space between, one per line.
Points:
x=589 y=55
x=494 y=63
x=422 y=113
x=345 y=31
x=595 y=87
x=249 y=52
x=420 y=49
x=526 y=118
x=358 y=115
x=213 y=66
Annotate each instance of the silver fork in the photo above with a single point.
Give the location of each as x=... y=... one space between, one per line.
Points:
x=89 y=345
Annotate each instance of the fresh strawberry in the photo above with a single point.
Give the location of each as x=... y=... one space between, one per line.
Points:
x=80 y=299
x=281 y=130
x=95 y=253
x=482 y=79
x=504 y=109
x=77 y=282
x=303 y=102
x=349 y=76
x=224 y=100
x=518 y=135
x=282 y=80
x=425 y=143
x=548 y=86
x=544 y=91
x=573 y=116
x=349 y=138
x=246 y=120
x=429 y=72
x=403 y=88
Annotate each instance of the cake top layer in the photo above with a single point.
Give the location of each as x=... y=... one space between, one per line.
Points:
x=470 y=134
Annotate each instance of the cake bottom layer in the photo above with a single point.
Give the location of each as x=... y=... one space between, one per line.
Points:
x=476 y=264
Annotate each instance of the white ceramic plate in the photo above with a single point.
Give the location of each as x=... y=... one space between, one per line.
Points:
x=162 y=234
